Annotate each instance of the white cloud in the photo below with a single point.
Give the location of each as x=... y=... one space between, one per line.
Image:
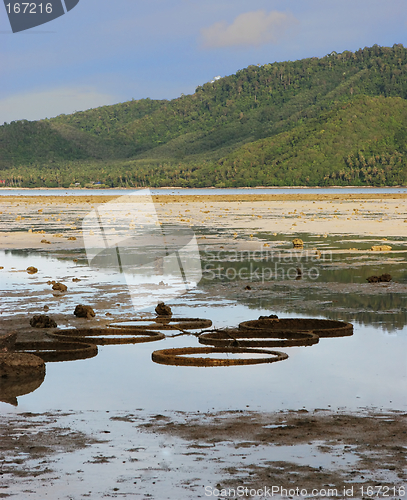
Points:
x=46 y=104
x=249 y=29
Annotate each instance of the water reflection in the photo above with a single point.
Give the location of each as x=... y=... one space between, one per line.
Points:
x=11 y=388
x=336 y=288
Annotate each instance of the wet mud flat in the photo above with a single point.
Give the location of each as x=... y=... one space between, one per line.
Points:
x=187 y=455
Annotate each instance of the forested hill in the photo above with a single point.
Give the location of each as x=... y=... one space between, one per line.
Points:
x=336 y=120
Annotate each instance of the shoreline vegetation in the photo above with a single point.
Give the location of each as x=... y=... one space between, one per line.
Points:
x=337 y=120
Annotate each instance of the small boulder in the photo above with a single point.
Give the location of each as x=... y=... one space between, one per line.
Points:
x=59 y=286
x=32 y=270
x=298 y=243
x=163 y=310
x=384 y=278
x=272 y=316
x=82 y=311
x=42 y=321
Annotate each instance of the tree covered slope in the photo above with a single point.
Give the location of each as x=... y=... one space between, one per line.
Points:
x=319 y=121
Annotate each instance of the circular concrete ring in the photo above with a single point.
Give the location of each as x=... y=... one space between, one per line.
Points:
x=321 y=327
x=103 y=336
x=164 y=323
x=233 y=337
x=58 y=351
x=180 y=356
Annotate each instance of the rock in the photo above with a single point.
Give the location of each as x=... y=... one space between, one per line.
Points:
x=46 y=241
x=59 y=286
x=71 y=238
x=381 y=248
x=384 y=278
x=46 y=308
x=32 y=270
x=163 y=310
x=82 y=311
x=298 y=243
x=42 y=321
x=272 y=316
x=75 y=280
x=248 y=287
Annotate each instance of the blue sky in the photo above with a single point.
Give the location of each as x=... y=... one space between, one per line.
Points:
x=103 y=52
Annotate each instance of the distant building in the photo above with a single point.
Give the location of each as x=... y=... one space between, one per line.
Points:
x=216 y=78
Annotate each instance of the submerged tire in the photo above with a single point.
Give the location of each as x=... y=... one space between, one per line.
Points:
x=321 y=327
x=233 y=337
x=103 y=336
x=179 y=356
x=164 y=323
x=57 y=351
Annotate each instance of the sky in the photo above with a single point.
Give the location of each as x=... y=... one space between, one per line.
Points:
x=108 y=51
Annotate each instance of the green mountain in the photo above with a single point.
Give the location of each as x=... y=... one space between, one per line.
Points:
x=337 y=120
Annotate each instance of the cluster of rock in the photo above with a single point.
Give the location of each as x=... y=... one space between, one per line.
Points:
x=384 y=278
x=42 y=321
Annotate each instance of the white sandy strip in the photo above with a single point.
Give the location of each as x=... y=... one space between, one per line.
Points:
x=59 y=218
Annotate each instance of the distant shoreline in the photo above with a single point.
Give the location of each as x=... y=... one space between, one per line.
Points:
x=197 y=188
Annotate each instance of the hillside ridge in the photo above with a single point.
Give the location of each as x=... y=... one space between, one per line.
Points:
x=286 y=123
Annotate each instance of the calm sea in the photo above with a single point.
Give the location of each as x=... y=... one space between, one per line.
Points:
x=197 y=192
